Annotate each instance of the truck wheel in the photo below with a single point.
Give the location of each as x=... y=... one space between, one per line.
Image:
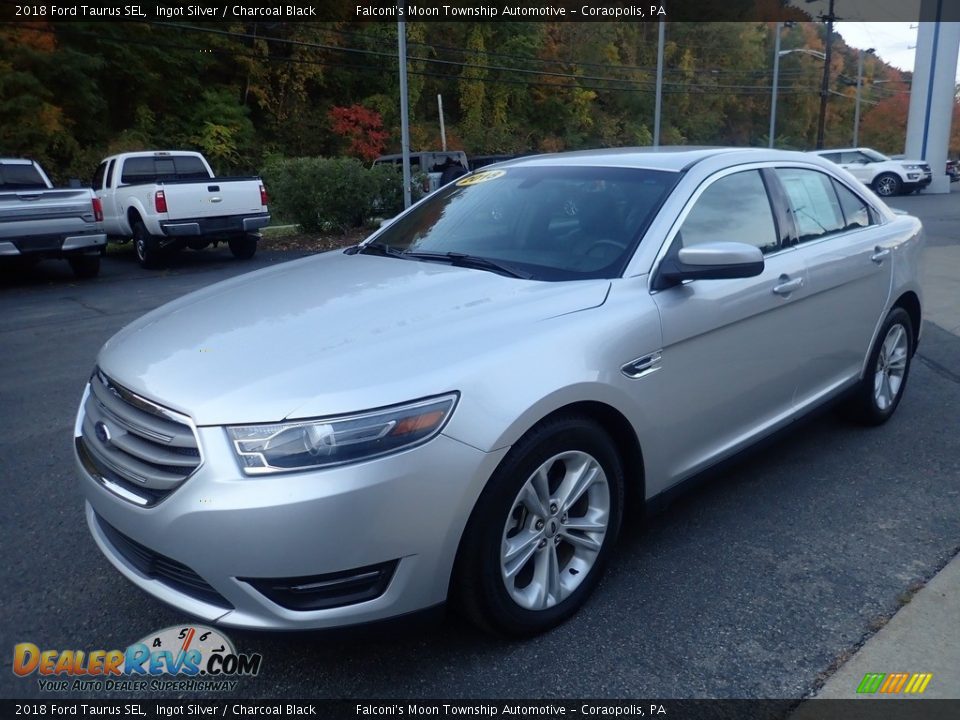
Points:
x=244 y=248
x=887 y=185
x=85 y=266
x=146 y=246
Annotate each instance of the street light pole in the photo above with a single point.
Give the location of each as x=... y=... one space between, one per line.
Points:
x=404 y=109
x=856 y=111
x=658 y=102
x=776 y=78
x=825 y=85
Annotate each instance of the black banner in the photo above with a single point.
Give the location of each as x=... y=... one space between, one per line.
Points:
x=472 y=10
x=862 y=709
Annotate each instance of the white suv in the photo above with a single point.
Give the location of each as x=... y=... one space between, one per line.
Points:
x=886 y=176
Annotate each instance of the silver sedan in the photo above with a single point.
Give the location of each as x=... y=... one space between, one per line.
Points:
x=457 y=408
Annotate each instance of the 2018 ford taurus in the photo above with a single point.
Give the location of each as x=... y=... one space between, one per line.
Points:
x=457 y=407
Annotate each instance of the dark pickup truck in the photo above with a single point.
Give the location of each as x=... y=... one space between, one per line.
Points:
x=38 y=221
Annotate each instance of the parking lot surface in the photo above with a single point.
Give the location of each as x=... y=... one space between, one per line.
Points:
x=757 y=584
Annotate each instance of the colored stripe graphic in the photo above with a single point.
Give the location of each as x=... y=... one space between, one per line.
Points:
x=918 y=683
x=871 y=682
x=894 y=683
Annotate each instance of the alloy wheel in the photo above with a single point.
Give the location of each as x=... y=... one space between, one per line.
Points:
x=891 y=367
x=555 y=530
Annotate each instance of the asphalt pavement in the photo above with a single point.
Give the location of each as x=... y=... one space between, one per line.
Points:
x=759 y=584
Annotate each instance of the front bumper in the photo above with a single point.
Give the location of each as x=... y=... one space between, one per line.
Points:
x=917 y=180
x=410 y=508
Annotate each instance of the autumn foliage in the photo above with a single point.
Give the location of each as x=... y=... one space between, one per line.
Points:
x=362 y=128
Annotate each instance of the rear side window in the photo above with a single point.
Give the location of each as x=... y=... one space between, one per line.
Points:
x=735 y=208
x=856 y=213
x=813 y=203
x=21 y=177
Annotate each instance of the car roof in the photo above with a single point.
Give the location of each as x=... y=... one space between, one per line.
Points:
x=16 y=161
x=669 y=158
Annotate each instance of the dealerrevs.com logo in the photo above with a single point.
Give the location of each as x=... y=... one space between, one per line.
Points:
x=178 y=658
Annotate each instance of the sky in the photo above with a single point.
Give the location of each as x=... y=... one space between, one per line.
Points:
x=892 y=41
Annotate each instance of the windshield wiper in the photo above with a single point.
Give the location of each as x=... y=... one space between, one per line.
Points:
x=471 y=261
x=374 y=248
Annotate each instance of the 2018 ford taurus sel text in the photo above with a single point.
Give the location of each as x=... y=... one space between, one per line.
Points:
x=457 y=407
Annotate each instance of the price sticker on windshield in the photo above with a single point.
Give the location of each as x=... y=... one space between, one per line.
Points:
x=481 y=177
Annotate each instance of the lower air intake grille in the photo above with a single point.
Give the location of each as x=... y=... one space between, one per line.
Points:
x=159 y=567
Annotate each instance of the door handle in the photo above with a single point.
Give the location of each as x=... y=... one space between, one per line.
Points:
x=787 y=285
x=879 y=254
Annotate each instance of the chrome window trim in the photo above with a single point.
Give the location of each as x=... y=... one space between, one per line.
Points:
x=882 y=216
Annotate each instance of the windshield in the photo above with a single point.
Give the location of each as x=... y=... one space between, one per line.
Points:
x=549 y=223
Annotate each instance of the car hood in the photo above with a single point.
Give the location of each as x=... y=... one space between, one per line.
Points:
x=329 y=334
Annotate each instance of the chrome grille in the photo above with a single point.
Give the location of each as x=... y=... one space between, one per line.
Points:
x=136 y=448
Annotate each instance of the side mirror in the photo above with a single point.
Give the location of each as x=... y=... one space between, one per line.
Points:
x=710 y=261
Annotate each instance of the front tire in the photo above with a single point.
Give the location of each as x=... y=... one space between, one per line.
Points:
x=540 y=535
x=244 y=248
x=881 y=389
x=85 y=266
x=887 y=185
x=146 y=246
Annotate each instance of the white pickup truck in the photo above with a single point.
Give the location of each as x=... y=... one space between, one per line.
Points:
x=39 y=221
x=168 y=200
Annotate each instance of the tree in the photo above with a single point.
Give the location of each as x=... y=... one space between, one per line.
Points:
x=362 y=128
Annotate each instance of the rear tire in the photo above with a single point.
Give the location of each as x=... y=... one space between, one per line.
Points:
x=146 y=246
x=887 y=185
x=877 y=396
x=244 y=248
x=85 y=266
x=539 y=536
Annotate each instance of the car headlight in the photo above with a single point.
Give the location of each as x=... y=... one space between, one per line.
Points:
x=913 y=167
x=310 y=444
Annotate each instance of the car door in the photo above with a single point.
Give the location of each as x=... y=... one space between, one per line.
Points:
x=858 y=165
x=729 y=354
x=848 y=265
x=108 y=199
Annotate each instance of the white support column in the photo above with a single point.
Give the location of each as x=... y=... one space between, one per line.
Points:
x=932 y=93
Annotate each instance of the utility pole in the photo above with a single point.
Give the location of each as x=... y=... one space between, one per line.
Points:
x=443 y=130
x=825 y=85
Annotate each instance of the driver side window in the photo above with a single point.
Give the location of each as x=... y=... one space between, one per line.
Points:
x=735 y=208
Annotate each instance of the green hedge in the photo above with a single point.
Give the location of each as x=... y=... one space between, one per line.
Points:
x=332 y=194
